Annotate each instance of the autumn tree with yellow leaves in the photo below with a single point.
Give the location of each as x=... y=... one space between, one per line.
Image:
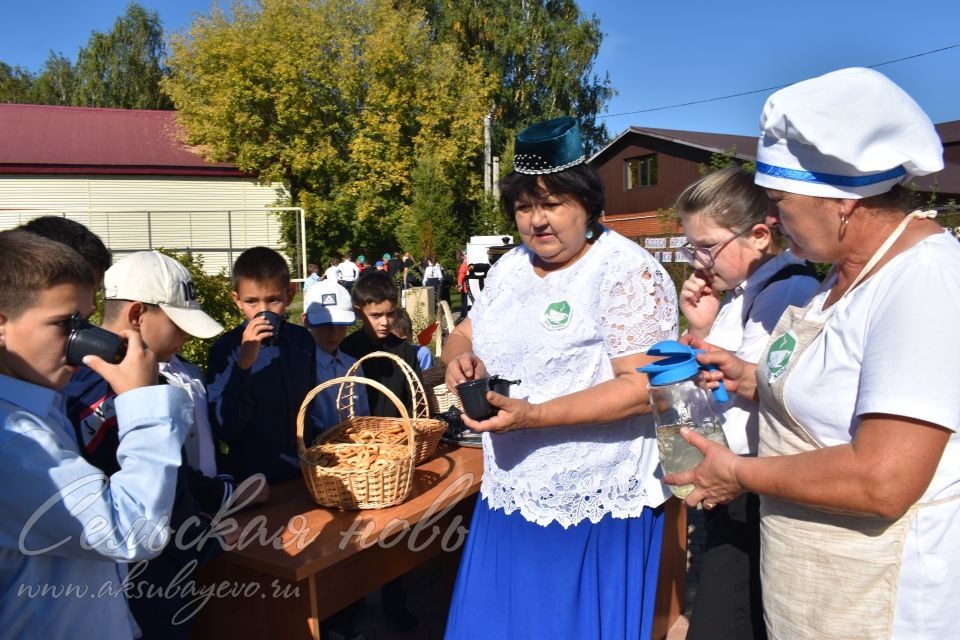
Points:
x=340 y=101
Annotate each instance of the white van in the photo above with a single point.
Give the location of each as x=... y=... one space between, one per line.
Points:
x=483 y=251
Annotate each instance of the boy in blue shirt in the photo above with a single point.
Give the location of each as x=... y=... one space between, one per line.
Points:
x=256 y=381
x=66 y=524
x=327 y=315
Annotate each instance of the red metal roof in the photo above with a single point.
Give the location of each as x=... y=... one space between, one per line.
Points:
x=746 y=146
x=50 y=139
x=641 y=224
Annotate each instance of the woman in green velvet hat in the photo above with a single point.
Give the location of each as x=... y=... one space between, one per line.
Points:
x=565 y=540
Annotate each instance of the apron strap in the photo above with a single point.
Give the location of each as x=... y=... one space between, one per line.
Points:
x=893 y=237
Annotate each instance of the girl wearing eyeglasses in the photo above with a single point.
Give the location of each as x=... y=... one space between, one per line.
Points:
x=741 y=284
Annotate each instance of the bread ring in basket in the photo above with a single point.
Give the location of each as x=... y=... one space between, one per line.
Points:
x=358 y=475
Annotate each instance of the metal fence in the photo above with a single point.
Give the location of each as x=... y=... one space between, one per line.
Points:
x=217 y=235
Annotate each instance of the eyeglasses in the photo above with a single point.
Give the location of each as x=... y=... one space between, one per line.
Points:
x=707 y=256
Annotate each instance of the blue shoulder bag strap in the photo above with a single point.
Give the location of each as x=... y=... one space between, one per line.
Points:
x=787 y=272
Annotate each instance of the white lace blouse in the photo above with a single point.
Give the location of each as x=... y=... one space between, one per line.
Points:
x=558 y=334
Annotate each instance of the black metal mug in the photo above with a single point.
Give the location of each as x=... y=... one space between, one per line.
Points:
x=473 y=395
x=88 y=339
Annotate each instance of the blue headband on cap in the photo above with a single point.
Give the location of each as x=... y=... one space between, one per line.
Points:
x=828 y=178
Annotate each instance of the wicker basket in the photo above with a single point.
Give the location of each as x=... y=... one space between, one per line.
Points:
x=441 y=398
x=386 y=483
x=427 y=430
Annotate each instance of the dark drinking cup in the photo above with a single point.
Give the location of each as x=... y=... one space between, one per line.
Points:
x=473 y=395
x=88 y=339
x=275 y=320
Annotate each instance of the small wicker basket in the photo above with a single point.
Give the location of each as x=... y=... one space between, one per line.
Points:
x=441 y=398
x=388 y=478
x=428 y=431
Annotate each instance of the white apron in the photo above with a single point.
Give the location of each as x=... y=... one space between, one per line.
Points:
x=825 y=573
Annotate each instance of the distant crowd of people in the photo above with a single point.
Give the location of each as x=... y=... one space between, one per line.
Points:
x=403 y=268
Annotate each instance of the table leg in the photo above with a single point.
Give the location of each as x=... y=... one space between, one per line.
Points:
x=673 y=568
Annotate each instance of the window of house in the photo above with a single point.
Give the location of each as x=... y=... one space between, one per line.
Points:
x=641 y=172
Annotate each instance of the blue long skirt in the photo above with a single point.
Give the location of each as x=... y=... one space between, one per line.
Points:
x=521 y=581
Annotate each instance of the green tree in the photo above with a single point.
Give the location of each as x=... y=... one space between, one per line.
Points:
x=540 y=51
x=423 y=105
x=16 y=84
x=726 y=158
x=430 y=227
x=272 y=87
x=123 y=68
x=489 y=219
x=56 y=83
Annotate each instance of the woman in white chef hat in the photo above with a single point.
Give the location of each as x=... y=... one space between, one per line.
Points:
x=859 y=391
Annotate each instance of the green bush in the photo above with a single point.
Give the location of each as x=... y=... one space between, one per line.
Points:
x=213 y=292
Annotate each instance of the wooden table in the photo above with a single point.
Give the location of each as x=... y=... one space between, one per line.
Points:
x=330 y=558
x=317 y=560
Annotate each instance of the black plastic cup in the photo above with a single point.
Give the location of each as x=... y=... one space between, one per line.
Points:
x=87 y=339
x=473 y=395
x=501 y=385
x=275 y=320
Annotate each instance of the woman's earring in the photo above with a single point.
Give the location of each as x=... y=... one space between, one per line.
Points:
x=844 y=221
x=589 y=233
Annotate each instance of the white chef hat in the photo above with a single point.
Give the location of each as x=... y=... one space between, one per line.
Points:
x=851 y=133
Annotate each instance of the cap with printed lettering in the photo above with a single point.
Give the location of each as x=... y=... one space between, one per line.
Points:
x=153 y=278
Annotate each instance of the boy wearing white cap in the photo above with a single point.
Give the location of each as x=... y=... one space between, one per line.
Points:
x=154 y=295
x=327 y=314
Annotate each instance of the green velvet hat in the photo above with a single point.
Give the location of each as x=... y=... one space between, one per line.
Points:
x=548 y=147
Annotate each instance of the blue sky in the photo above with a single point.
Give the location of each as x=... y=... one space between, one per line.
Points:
x=657 y=52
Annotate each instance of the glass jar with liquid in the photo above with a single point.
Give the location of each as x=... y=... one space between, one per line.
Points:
x=677 y=401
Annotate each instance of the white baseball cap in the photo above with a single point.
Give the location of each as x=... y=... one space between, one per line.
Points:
x=851 y=133
x=328 y=303
x=153 y=278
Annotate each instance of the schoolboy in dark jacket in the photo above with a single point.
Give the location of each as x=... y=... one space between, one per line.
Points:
x=256 y=381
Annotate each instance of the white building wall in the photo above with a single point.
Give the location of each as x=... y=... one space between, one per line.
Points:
x=215 y=217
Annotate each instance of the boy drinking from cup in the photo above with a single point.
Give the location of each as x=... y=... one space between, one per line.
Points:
x=66 y=524
x=259 y=372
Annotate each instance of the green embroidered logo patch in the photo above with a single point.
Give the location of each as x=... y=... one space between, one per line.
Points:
x=778 y=357
x=556 y=315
